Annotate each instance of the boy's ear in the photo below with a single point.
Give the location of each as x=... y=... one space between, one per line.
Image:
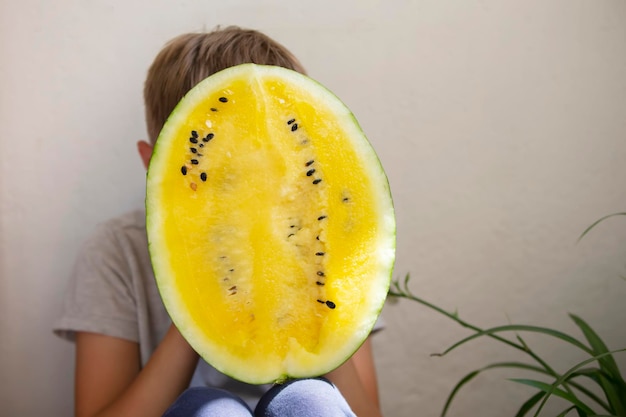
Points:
x=145 y=152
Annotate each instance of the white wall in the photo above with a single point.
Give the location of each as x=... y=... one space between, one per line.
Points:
x=502 y=126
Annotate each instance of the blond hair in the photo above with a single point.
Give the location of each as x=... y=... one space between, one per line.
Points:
x=188 y=59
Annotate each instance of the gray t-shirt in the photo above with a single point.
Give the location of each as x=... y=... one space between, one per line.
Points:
x=112 y=291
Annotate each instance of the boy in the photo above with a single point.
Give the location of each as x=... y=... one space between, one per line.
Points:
x=130 y=359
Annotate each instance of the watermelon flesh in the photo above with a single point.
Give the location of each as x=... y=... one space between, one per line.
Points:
x=270 y=225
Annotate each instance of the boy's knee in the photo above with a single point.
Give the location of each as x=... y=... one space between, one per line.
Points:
x=304 y=398
x=207 y=402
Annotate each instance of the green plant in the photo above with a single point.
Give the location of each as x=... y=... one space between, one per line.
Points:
x=600 y=220
x=574 y=385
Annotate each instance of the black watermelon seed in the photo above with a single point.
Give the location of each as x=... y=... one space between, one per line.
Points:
x=213 y=109
x=291 y=121
x=345 y=199
x=183 y=169
x=321 y=217
x=193 y=150
x=317 y=181
x=320 y=273
x=294 y=127
x=330 y=304
x=208 y=137
x=310 y=172
x=317 y=237
x=203 y=176
x=319 y=283
x=321 y=302
x=201 y=145
x=193 y=140
x=309 y=163
x=194 y=161
x=290 y=234
x=223 y=99
x=194 y=134
x=319 y=253
x=231 y=270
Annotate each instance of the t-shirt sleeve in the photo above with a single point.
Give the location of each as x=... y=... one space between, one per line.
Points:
x=99 y=296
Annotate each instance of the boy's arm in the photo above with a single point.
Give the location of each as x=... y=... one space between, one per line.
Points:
x=110 y=382
x=356 y=379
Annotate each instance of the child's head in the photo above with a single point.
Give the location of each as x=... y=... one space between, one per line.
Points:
x=188 y=59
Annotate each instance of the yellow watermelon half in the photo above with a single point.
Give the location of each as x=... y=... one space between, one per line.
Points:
x=270 y=224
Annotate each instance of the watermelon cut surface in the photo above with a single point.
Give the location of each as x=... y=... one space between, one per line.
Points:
x=270 y=224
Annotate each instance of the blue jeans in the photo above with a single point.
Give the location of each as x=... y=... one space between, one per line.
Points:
x=299 y=398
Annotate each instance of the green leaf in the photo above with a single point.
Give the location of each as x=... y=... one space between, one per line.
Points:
x=517 y=327
x=598 y=347
x=407 y=277
x=467 y=378
x=551 y=389
x=613 y=392
x=456 y=388
x=589 y=373
x=594 y=374
x=522 y=342
x=587 y=230
x=612 y=383
x=567 y=410
x=554 y=387
x=529 y=404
